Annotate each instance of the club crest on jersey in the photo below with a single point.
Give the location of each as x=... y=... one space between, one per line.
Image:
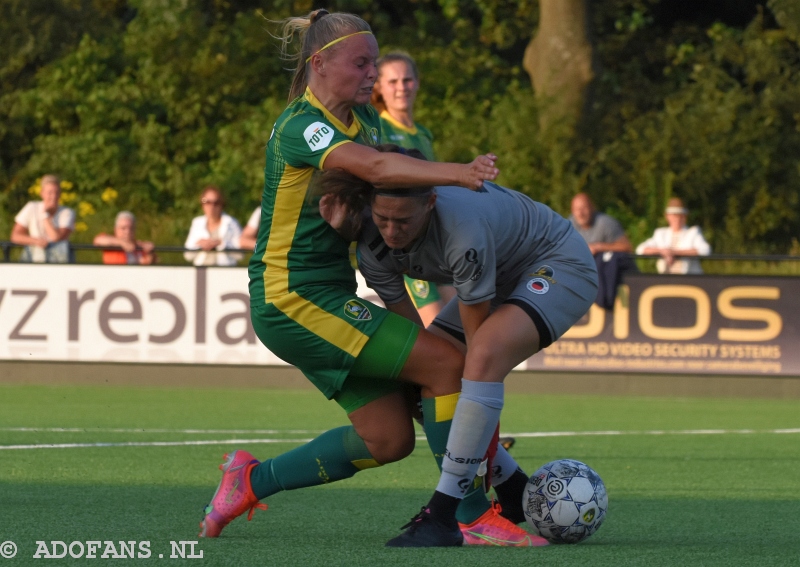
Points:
x=373 y=134
x=539 y=286
x=421 y=288
x=357 y=310
x=318 y=136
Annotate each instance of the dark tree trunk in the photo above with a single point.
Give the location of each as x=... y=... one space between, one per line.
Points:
x=559 y=60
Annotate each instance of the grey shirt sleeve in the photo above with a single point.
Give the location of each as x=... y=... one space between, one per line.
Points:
x=470 y=253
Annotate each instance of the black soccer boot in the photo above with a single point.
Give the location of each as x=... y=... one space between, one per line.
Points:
x=424 y=531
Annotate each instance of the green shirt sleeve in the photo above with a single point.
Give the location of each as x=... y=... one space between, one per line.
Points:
x=306 y=138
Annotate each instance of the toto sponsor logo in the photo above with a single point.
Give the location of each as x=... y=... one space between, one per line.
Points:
x=318 y=136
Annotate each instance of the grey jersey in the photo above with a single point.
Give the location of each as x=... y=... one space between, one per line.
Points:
x=604 y=228
x=478 y=241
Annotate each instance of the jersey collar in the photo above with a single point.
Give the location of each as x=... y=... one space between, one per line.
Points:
x=351 y=132
x=399 y=125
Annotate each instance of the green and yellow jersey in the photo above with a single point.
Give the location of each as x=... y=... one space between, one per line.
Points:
x=295 y=246
x=418 y=137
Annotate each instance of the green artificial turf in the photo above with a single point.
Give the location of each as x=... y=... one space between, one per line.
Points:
x=725 y=497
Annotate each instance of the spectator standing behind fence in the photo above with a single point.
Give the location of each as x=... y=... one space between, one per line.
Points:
x=250 y=232
x=608 y=244
x=213 y=233
x=133 y=251
x=675 y=241
x=44 y=227
x=602 y=232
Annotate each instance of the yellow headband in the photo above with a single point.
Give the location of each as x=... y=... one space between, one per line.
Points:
x=335 y=41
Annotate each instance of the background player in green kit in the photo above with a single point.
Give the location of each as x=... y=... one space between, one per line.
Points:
x=394 y=96
x=302 y=286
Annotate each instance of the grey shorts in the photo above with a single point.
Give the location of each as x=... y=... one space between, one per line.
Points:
x=556 y=290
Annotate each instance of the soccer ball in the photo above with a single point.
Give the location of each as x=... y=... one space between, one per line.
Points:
x=565 y=501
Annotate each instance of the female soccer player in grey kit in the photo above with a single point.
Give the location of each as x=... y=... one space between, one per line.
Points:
x=523 y=277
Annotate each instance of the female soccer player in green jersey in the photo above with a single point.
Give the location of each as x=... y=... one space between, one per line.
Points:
x=394 y=96
x=302 y=286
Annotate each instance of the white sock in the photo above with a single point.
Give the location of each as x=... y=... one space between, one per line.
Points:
x=503 y=466
x=475 y=419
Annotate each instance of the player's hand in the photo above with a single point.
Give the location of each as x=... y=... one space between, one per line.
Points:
x=481 y=169
x=344 y=221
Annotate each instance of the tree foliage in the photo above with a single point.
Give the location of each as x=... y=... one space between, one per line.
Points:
x=140 y=103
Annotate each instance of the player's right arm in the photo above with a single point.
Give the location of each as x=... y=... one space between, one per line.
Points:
x=388 y=170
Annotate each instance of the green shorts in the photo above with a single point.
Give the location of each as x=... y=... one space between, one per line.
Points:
x=350 y=349
x=422 y=293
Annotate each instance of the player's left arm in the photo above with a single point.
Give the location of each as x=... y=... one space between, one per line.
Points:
x=471 y=256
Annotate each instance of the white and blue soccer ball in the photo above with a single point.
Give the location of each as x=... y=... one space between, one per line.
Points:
x=565 y=501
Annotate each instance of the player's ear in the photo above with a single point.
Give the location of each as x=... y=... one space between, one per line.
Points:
x=318 y=64
x=431 y=201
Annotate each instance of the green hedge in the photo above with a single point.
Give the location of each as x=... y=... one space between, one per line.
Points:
x=139 y=104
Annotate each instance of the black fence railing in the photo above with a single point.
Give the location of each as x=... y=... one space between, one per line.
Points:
x=6 y=247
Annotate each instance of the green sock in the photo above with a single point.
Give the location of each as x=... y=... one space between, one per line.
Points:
x=335 y=455
x=437 y=414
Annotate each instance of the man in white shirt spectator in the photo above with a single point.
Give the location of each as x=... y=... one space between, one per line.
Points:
x=676 y=241
x=44 y=227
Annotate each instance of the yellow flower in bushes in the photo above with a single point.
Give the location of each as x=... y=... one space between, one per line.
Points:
x=85 y=209
x=109 y=195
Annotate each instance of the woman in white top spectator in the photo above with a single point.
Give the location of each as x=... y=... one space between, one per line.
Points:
x=44 y=227
x=213 y=233
x=676 y=241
